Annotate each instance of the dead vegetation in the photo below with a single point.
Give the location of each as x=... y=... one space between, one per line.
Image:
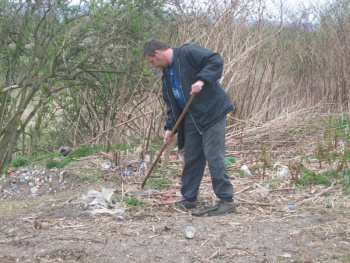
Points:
x=278 y=219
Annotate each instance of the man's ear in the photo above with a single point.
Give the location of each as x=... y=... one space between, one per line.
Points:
x=157 y=52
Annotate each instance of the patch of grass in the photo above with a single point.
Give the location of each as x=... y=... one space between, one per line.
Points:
x=331 y=173
x=133 y=201
x=341 y=125
x=122 y=147
x=90 y=176
x=19 y=162
x=57 y=163
x=175 y=171
x=310 y=177
x=346 y=181
x=345 y=257
x=159 y=170
x=56 y=160
x=85 y=151
x=346 y=191
x=16 y=162
x=159 y=183
x=157 y=143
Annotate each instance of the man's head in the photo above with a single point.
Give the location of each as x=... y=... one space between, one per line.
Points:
x=158 y=53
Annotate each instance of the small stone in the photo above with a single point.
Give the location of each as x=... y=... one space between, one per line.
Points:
x=65 y=150
x=63 y=173
x=120 y=218
x=34 y=190
x=287 y=255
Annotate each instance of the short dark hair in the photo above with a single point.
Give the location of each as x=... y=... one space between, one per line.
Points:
x=150 y=47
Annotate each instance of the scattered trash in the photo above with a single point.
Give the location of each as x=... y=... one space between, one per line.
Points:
x=190 y=232
x=166 y=197
x=111 y=212
x=287 y=255
x=230 y=160
x=106 y=166
x=126 y=173
x=103 y=198
x=245 y=169
x=147 y=158
x=292 y=207
x=143 y=165
x=284 y=172
x=101 y=202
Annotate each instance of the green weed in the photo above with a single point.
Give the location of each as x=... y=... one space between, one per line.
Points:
x=133 y=201
x=19 y=162
x=85 y=151
x=90 y=176
x=311 y=177
x=345 y=257
x=16 y=162
x=57 y=163
x=346 y=191
x=56 y=160
x=159 y=183
x=121 y=147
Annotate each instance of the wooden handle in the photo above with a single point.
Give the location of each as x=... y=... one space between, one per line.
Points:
x=172 y=133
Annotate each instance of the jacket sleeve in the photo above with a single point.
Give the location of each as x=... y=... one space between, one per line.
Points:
x=209 y=63
x=170 y=122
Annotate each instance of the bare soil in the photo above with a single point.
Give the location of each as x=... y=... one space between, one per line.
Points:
x=53 y=225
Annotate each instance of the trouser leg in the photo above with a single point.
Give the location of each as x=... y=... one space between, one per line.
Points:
x=194 y=159
x=214 y=149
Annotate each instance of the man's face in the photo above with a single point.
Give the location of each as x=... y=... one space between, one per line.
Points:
x=158 y=61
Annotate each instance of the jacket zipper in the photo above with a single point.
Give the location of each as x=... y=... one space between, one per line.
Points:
x=180 y=80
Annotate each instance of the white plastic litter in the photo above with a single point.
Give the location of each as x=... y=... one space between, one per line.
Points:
x=101 y=202
x=190 y=232
x=245 y=169
x=106 y=166
x=284 y=172
x=286 y=255
x=107 y=211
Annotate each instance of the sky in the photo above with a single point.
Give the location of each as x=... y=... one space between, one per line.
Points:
x=290 y=3
x=273 y=4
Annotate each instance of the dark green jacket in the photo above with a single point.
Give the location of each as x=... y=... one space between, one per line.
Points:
x=211 y=103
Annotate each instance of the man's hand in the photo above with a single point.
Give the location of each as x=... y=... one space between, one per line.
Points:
x=168 y=139
x=197 y=87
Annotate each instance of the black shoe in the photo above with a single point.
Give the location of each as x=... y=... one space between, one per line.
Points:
x=186 y=205
x=223 y=208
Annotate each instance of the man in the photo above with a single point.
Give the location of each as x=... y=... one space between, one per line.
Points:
x=188 y=70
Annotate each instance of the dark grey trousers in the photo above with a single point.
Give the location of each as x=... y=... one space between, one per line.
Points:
x=200 y=148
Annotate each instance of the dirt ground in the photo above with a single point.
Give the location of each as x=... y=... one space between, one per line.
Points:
x=44 y=218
